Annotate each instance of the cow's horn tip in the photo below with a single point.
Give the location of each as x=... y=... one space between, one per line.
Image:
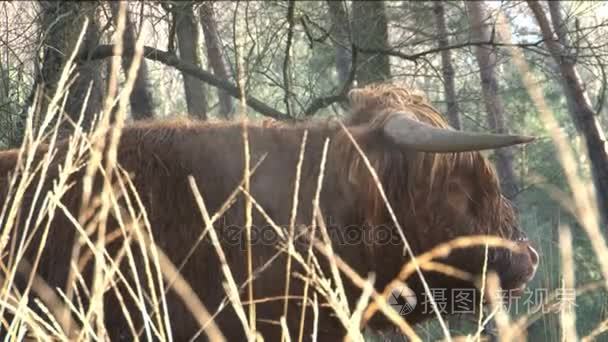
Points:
x=526 y=138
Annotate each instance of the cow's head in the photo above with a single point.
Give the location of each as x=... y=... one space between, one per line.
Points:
x=440 y=186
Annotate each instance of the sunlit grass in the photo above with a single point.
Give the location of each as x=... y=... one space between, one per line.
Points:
x=60 y=313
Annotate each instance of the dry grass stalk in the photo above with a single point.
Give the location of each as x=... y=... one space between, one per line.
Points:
x=501 y=317
x=484 y=274
x=231 y=286
x=379 y=300
x=159 y=269
x=600 y=329
x=312 y=235
x=189 y=296
x=567 y=314
x=17 y=190
x=584 y=200
x=406 y=245
x=248 y=227
x=292 y=223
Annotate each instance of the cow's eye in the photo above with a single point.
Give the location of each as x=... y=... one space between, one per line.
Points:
x=520 y=237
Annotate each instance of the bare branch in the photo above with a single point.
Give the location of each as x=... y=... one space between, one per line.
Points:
x=323 y=102
x=291 y=5
x=415 y=56
x=105 y=51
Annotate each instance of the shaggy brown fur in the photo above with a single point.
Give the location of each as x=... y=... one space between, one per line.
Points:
x=437 y=197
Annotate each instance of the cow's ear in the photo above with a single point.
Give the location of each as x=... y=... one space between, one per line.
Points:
x=422 y=137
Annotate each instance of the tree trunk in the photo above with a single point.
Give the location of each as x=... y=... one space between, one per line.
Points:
x=8 y=107
x=142 y=103
x=447 y=68
x=486 y=60
x=62 y=22
x=370 y=31
x=188 y=42
x=580 y=108
x=340 y=31
x=215 y=56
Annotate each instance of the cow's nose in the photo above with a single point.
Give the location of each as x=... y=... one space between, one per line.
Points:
x=533 y=255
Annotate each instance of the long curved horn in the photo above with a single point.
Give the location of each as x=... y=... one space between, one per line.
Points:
x=425 y=138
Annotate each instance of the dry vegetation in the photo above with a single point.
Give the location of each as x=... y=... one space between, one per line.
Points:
x=45 y=313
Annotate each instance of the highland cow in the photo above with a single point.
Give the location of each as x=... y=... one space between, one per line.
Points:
x=436 y=180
